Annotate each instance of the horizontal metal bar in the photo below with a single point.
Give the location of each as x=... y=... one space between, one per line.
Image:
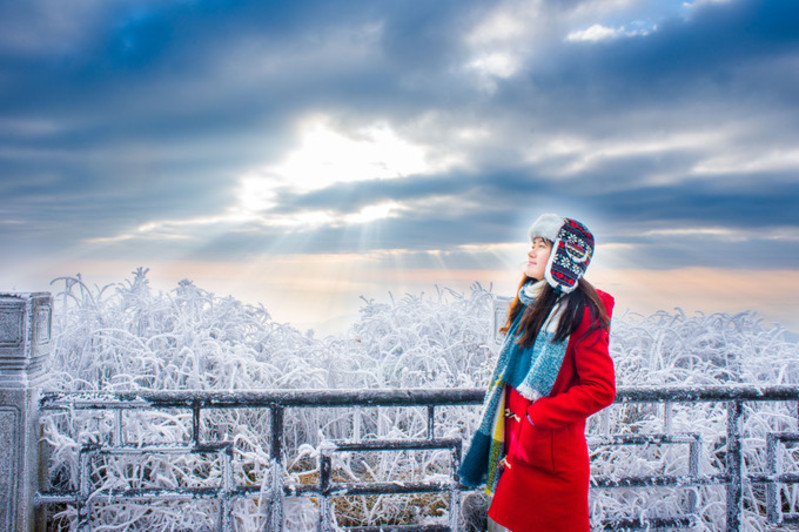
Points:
x=741 y=392
x=149 y=494
x=40 y=499
x=398 y=528
x=661 y=481
x=785 y=436
x=652 y=522
x=260 y=399
x=392 y=445
x=384 y=488
x=784 y=478
x=389 y=397
x=158 y=448
x=789 y=519
x=643 y=439
x=155 y=496
x=140 y=494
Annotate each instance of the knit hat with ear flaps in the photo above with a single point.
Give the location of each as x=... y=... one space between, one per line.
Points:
x=572 y=247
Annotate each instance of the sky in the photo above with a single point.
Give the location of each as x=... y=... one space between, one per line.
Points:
x=306 y=154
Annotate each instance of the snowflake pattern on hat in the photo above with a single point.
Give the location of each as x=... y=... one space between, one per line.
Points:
x=570 y=257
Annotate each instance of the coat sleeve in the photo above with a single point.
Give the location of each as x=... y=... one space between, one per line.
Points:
x=595 y=381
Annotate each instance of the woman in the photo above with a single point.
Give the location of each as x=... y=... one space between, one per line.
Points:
x=553 y=372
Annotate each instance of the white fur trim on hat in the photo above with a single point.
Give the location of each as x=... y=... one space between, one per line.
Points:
x=547 y=226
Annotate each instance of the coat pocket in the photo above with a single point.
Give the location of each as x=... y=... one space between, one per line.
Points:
x=535 y=447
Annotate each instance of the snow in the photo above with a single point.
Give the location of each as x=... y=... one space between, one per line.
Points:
x=128 y=337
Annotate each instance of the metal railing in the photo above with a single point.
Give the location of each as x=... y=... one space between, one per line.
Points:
x=325 y=488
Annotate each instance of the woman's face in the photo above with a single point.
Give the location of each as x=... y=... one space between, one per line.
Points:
x=537 y=258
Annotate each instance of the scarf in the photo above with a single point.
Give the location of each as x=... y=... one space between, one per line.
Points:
x=531 y=371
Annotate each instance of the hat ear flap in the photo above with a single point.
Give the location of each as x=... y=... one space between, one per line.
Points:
x=570 y=256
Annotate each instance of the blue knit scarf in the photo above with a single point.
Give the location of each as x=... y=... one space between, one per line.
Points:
x=531 y=371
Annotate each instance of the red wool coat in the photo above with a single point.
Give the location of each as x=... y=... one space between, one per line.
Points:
x=545 y=486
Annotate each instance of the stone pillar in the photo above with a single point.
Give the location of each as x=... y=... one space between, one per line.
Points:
x=24 y=346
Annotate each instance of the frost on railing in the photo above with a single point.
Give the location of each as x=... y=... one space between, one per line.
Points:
x=114 y=474
x=345 y=481
x=127 y=337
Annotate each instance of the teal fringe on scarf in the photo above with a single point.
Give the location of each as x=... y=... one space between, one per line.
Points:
x=531 y=371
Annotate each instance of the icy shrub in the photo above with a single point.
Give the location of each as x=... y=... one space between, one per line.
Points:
x=126 y=336
x=702 y=350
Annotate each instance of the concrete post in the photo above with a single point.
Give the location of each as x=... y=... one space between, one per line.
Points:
x=24 y=346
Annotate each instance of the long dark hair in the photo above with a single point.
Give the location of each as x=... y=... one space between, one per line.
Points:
x=584 y=296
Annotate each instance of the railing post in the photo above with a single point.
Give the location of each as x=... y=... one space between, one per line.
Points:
x=325 y=510
x=24 y=346
x=734 y=466
x=773 y=510
x=276 y=465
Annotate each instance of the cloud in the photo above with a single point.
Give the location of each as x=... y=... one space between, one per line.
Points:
x=719 y=39
x=211 y=131
x=326 y=156
x=598 y=32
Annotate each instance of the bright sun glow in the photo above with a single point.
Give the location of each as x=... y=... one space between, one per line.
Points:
x=318 y=218
x=326 y=156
